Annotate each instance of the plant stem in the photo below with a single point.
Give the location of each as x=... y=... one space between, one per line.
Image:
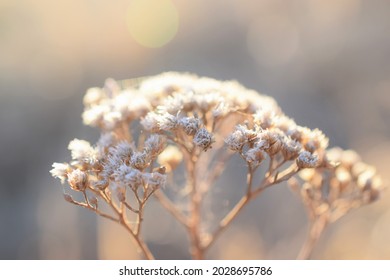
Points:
x=233 y=212
x=141 y=244
x=194 y=223
x=317 y=227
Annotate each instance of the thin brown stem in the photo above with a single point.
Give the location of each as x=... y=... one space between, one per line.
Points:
x=269 y=180
x=123 y=221
x=140 y=217
x=233 y=213
x=141 y=244
x=128 y=206
x=89 y=207
x=317 y=227
x=195 y=219
x=227 y=220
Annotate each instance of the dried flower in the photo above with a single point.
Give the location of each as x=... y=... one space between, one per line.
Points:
x=94 y=96
x=190 y=125
x=255 y=156
x=290 y=149
x=155 y=180
x=60 y=171
x=155 y=144
x=306 y=160
x=140 y=160
x=203 y=139
x=240 y=136
x=82 y=151
x=78 y=180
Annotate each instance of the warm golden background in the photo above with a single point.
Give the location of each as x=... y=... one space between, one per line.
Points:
x=327 y=63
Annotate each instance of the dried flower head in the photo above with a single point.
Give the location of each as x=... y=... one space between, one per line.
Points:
x=78 y=180
x=203 y=139
x=60 y=171
x=307 y=160
x=238 y=138
x=255 y=156
x=190 y=125
x=140 y=160
x=155 y=144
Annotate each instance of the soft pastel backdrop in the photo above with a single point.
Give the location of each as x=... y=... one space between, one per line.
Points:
x=326 y=62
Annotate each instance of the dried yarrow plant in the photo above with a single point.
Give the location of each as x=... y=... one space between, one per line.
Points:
x=154 y=127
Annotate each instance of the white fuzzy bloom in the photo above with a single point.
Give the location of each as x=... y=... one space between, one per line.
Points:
x=94 y=96
x=122 y=152
x=112 y=120
x=265 y=117
x=221 y=110
x=237 y=139
x=113 y=162
x=203 y=139
x=78 y=180
x=208 y=101
x=270 y=141
x=140 y=160
x=95 y=115
x=106 y=140
x=82 y=151
x=284 y=123
x=60 y=171
x=307 y=160
x=128 y=176
x=150 y=122
x=155 y=144
x=190 y=125
x=167 y=121
x=131 y=104
x=315 y=140
x=155 y=180
x=290 y=149
x=254 y=156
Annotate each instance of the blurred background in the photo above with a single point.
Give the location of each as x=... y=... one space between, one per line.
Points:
x=326 y=62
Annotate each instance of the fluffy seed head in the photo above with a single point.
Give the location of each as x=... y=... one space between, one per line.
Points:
x=203 y=139
x=306 y=160
x=60 y=171
x=78 y=180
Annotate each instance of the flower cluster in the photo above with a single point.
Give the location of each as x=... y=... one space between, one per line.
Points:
x=347 y=183
x=152 y=125
x=112 y=166
x=278 y=137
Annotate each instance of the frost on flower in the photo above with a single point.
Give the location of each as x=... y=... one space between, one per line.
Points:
x=190 y=125
x=237 y=139
x=60 y=171
x=140 y=160
x=254 y=156
x=203 y=139
x=82 y=151
x=307 y=160
x=155 y=180
x=78 y=180
x=155 y=144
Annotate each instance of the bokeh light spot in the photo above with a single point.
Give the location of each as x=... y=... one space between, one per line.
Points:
x=152 y=23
